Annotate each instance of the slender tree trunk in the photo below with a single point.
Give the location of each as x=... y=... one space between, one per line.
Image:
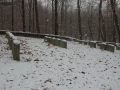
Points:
x=2 y=15
x=90 y=23
x=115 y=17
x=79 y=18
x=30 y=8
x=56 y=18
x=102 y=32
x=113 y=30
x=23 y=16
x=62 y=13
x=12 y=15
x=33 y=16
x=37 y=19
x=53 y=17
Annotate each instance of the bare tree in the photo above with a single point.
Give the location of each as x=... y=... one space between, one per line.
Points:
x=23 y=15
x=37 y=20
x=12 y=15
x=115 y=17
x=56 y=17
x=102 y=31
x=79 y=17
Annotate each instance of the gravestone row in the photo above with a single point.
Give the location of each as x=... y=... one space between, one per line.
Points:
x=14 y=45
x=102 y=45
x=56 y=41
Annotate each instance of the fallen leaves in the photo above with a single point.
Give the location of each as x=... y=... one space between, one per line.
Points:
x=48 y=80
x=36 y=59
x=83 y=72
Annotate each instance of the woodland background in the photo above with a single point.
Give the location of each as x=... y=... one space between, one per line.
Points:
x=83 y=19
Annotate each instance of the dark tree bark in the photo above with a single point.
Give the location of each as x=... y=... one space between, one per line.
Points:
x=102 y=31
x=56 y=17
x=79 y=18
x=62 y=12
x=30 y=9
x=53 y=17
x=115 y=17
x=90 y=18
x=12 y=15
x=37 y=19
x=33 y=16
x=23 y=16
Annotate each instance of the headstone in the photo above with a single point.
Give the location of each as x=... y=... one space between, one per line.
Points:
x=92 y=44
x=16 y=50
x=117 y=47
x=45 y=38
x=80 y=41
x=13 y=38
x=10 y=40
x=110 y=48
x=102 y=45
x=63 y=43
x=85 y=42
x=57 y=42
x=53 y=41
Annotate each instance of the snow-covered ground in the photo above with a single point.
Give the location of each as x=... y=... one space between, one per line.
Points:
x=47 y=67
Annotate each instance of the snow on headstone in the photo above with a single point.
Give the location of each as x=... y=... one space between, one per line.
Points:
x=16 y=50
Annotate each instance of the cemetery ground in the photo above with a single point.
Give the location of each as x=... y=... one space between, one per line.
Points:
x=43 y=66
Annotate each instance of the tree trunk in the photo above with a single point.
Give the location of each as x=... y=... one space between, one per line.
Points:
x=53 y=17
x=37 y=19
x=101 y=32
x=30 y=8
x=115 y=17
x=23 y=16
x=12 y=15
x=56 y=18
x=62 y=13
x=79 y=18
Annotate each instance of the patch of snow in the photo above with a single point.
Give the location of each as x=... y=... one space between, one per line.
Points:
x=43 y=66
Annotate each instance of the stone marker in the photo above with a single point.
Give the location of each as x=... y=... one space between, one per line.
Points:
x=48 y=39
x=16 y=50
x=117 y=47
x=81 y=41
x=110 y=47
x=102 y=46
x=57 y=42
x=92 y=44
x=53 y=41
x=45 y=38
x=13 y=38
x=85 y=42
x=63 y=43
x=10 y=35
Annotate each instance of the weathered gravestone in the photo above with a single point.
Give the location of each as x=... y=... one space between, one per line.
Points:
x=110 y=48
x=57 y=42
x=92 y=44
x=63 y=43
x=16 y=50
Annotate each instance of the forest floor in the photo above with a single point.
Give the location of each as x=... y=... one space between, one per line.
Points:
x=43 y=66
